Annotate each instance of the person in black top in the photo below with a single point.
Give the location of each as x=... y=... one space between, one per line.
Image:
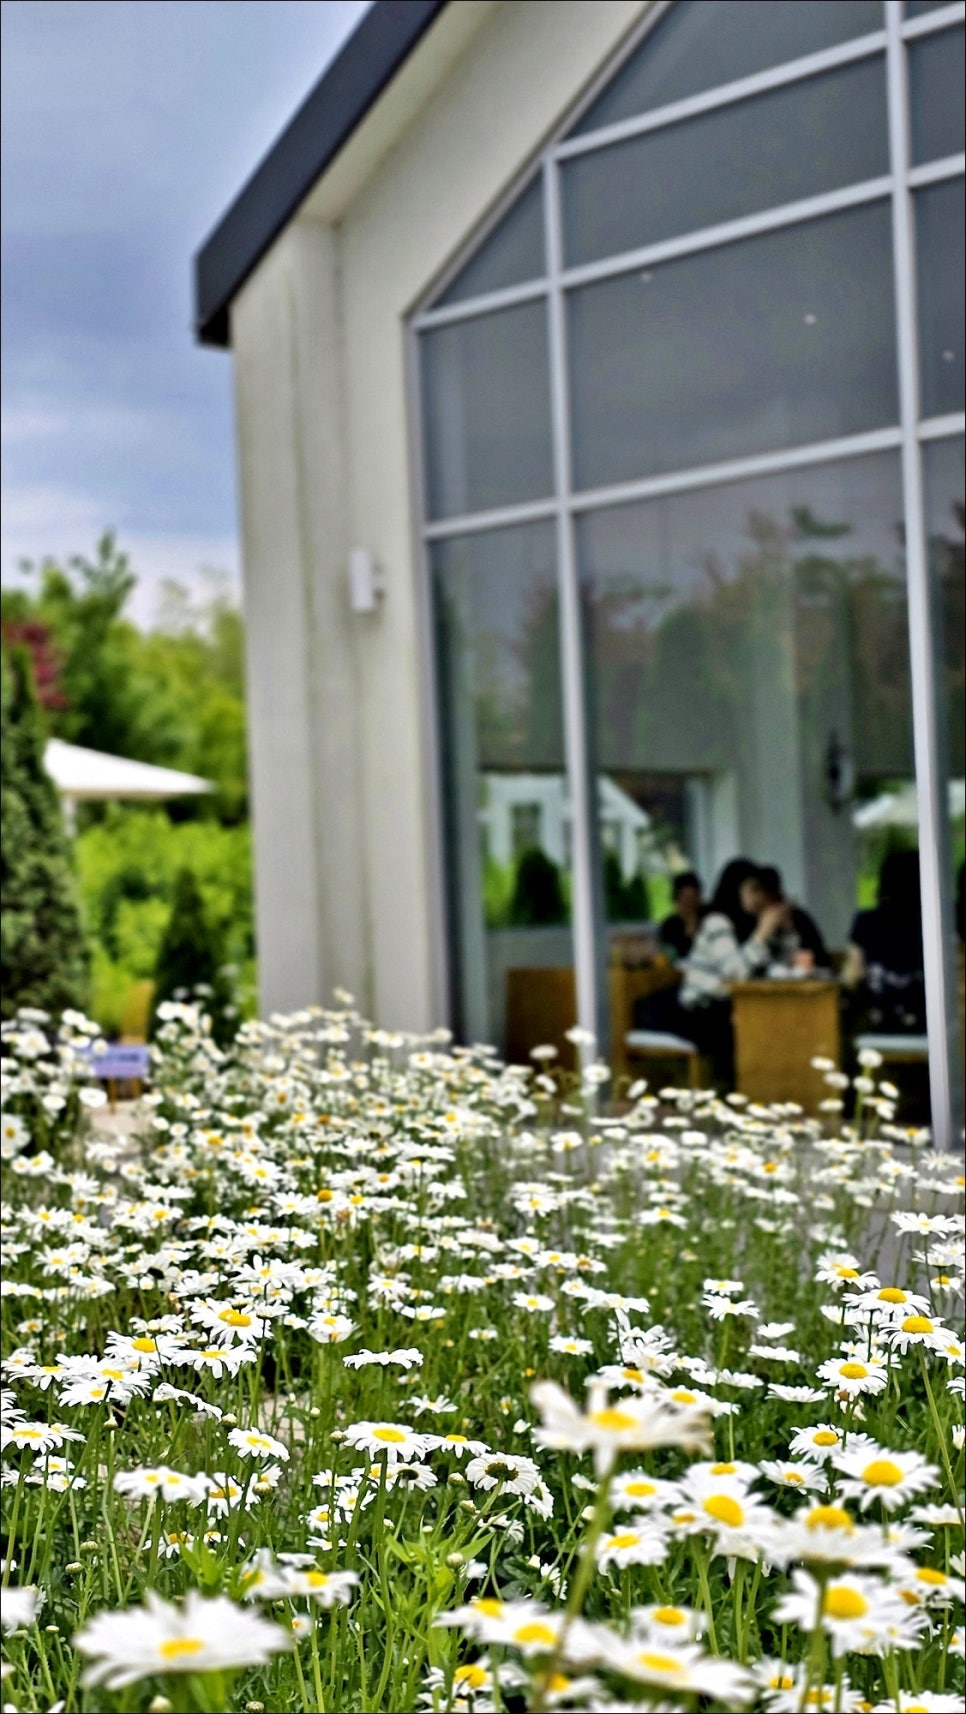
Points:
x=884 y=963
x=799 y=925
x=676 y=933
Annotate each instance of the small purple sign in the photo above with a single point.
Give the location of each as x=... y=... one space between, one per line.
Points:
x=120 y=1061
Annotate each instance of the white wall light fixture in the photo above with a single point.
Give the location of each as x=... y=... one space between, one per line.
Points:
x=367 y=586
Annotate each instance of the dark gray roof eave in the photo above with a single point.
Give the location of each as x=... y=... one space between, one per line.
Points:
x=327 y=118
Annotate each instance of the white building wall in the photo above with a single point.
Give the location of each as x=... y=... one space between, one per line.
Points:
x=347 y=882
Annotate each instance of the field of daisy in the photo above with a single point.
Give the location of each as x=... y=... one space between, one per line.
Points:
x=369 y=1373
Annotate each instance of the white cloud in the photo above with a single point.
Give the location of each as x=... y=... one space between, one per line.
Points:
x=41 y=522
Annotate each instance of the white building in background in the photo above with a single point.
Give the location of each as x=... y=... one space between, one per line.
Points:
x=616 y=349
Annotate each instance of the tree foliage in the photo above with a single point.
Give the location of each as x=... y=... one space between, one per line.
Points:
x=172 y=695
x=43 y=952
x=191 y=958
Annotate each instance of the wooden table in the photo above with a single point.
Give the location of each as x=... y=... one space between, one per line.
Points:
x=780 y=1024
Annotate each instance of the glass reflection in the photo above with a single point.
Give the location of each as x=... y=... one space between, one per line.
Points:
x=772 y=342
x=703 y=43
x=486 y=412
x=506 y=806
x=512 y=254
x=945 y=513
x=789 y=143
x=937 y=96
x=750 y=689
x=941 y=258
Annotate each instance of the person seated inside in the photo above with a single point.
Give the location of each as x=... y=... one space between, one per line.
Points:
x=733 y=942
x=798 y=942
x=676 y=933
x=884 y=961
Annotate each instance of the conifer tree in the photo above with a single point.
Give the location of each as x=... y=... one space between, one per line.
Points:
x=190 y=959
x=43 y=951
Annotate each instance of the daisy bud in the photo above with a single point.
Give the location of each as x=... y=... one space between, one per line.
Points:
x=315 y=1413
x=230 y=1420
x=73 y=1568
x=454 y=1561
x=456 y=1480
x=337 y=1435
x=467 y=1506
x=88 y=1547
x=52 y=1630
x=160 y=1705
x=254 y=1708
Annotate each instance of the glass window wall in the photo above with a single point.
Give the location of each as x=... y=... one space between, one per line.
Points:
x=719 y=502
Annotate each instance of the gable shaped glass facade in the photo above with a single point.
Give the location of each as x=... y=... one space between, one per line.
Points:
x=692 y=450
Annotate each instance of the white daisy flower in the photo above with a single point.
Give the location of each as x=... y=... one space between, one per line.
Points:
x=891 y=1478
x=158 y=1638
x=253 y=1443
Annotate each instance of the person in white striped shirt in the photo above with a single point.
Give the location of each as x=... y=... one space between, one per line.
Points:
x=732 y=943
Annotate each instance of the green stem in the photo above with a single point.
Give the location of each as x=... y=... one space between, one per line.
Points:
x=937 y=1425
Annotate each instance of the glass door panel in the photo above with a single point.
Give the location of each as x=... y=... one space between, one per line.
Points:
x=507 y=811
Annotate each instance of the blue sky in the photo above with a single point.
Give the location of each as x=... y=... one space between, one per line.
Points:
x=128 y=127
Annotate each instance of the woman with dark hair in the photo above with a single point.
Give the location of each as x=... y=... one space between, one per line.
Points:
x=884 y=962
x=731 y=944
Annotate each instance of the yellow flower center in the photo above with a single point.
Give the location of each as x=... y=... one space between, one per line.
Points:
x=487 y=1605
x=853 y=1371
x=316 y=1579
x=535 y=1633
x=613 y=1421
x=390 y=1434
x=177 y=1648
x=143 y=1345
x=639 y=1488
x=841 y=1602
x=723 y=1469
x=847 y=1273
x=683 y=1397
x=891 y=1294
x=829 y=1518
x=659 y=1663
x=825 y=1437
x=917 y=1324
x=725 y=1510
x=669 y=1615
x=882 y=1473
x=628 y=1539
x=235 y=1318
x=474 y=1676
x=633 y=1375
x=457 y=1439
x=929 y=1574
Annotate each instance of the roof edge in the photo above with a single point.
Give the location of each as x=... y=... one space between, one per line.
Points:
x=332 y=110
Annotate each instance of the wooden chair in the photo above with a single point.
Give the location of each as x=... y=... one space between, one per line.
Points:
x=631 y=1046
x=541 y=1006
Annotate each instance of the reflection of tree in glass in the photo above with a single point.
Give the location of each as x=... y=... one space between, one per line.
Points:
x=682 y=664
x=519 y=715
x=948 y=562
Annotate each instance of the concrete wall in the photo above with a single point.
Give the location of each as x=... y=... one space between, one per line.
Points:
x=345 y=803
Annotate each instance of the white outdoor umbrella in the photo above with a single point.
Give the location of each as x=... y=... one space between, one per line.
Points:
x=899 y=809
x=90 y=776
